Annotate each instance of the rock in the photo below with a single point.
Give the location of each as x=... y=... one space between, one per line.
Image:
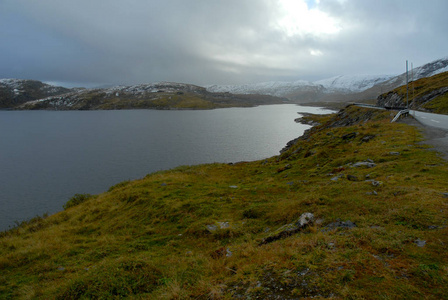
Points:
x=233 y=186
x=303 y=272
x=352 y=178
x=374 y=182
x=340 y=224
x=420 y=243
x=394 y=153
x=367 y=138
x=349 y=136
x=218 y=225
x=221 y=252
x=364 y=164
x=223 y=225
x=286 y=167
x=376 y=227
x=336 y=178
x=445 y=195
x=372 y=193
x=305 y=220
x=390 y=100
x=309 y=153
x=211 y=228
x=228 y=253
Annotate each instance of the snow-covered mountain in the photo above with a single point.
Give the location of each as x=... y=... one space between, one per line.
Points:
x=351 y=83
x=164 y=95
x=17 y=91
x=345 y=84
x=339 y=88
x=427 y=70
x=274 y=88
x=432 y=68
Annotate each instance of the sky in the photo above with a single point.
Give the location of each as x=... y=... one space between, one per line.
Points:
x=115 y=42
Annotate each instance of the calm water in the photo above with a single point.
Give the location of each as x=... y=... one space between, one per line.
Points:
x=48 y=156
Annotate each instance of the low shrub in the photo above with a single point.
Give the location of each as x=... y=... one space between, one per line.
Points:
x=76 y=200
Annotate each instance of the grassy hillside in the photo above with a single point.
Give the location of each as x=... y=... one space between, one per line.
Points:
x=226 y=231
x=430 y=94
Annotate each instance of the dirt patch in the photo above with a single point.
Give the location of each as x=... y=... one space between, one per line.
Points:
x=436 y=137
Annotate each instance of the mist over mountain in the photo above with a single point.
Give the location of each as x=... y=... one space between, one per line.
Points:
x=339 y=88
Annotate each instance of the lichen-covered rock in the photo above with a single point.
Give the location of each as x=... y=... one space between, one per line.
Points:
x=340 y=224
x=305 y=220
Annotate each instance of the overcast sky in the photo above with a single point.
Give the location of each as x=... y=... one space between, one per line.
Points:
x=96 y=42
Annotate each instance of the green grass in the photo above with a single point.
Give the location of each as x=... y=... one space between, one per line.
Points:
x=151 y=238
x=439 y=105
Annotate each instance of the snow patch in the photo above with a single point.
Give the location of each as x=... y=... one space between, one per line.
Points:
x=352 y=83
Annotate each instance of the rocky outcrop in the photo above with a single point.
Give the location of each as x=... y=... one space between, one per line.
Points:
x=305 y=220
x=390 y=100
x=395 y=100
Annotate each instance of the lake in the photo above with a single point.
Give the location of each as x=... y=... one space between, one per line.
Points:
x=48 y=156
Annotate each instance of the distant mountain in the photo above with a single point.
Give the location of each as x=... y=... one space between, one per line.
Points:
x=427 y=70
x=351 y=83
x=164 y=95
x=32 y=94
x=275 y=88
x=14 y=92
x=306 y=90
x=339 y=88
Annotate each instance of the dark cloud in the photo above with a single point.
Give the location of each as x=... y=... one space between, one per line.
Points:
x=212 y=41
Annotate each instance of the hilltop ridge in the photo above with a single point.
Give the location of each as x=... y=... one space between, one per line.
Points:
x=14 y=92
x=164 y=95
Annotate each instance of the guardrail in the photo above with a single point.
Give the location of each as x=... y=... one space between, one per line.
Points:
x=403 y=112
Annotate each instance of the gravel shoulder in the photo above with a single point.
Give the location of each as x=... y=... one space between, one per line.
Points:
x=436 y=137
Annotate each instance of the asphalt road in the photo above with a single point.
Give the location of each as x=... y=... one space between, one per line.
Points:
x=428 y=119
x=434 y=130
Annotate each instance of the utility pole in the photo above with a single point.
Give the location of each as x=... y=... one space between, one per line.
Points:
x=407 y=85
x=412 y=79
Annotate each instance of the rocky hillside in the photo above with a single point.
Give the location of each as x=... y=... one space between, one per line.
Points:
x=427 y=94
x=14 y=92
x=164 y=95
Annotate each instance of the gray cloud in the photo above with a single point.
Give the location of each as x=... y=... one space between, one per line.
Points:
x=211 y=41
